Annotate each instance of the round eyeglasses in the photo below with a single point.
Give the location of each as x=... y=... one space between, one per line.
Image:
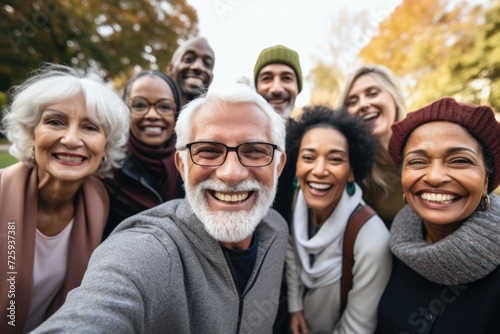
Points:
x=162 y=107
x=213 y=154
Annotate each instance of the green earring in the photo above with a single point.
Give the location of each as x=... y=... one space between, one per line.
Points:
x=295 y=182
x=350 y=188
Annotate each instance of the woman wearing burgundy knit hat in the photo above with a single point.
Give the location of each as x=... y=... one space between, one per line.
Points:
x=446 y=241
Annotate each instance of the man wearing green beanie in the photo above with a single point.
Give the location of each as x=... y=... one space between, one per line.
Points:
x=278 y=78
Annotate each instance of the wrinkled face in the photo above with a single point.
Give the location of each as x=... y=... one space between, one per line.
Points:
x=152 y=126
x=277 y=83
x=231 y=199
x=192 y=68
x=323 y=169
x=69 y=143
x=443 y=173
x=369 y=100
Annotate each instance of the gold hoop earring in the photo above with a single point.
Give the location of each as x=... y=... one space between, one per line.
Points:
x=485 y=203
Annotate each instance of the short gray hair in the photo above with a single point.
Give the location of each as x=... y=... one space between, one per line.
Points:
x=234 y=94
x=57 y=83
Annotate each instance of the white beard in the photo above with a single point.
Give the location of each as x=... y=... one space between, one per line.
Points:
x=230 y=226
x=288 y=110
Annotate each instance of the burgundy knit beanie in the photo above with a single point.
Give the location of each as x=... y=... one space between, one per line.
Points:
x=479 y=121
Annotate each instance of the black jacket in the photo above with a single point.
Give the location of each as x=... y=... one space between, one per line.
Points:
x=129 y=185
x=413 y=304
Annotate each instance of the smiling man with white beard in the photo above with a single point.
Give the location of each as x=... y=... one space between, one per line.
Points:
x=210 y=263
x=230 y=226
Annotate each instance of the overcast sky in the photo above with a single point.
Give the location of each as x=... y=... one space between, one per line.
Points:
x=238 y=30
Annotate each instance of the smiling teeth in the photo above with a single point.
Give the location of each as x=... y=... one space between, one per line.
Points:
x=368 y=117
x=152 y=129
x=66 y=158
x=320 y=186
x=230 y=198
x=442 y=198
x=194 y=80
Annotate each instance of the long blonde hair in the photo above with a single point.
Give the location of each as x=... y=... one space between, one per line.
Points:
x=378 y=179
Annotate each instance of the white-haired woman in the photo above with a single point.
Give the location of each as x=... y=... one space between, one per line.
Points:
x=63 y=129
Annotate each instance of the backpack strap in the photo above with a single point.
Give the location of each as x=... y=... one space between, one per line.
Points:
x=358 y=218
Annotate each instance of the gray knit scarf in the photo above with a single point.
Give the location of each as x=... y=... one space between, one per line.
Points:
x=467 y=255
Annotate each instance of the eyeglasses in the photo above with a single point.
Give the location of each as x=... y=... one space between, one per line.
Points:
x=212 y=154
x=162 y=107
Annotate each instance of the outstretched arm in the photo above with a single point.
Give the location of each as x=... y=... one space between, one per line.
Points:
x=118 y=290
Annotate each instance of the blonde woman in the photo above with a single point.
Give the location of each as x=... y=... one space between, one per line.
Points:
x=372 y=93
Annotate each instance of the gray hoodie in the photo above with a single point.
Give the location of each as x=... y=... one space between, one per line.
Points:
x=161 y=272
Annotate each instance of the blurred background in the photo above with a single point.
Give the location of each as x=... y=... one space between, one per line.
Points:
x=436 y=47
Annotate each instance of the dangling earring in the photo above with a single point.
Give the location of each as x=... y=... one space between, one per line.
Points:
x=33 y=153
x=295 y=182
x=350 y=188
x=485 y=203
x=404 y=198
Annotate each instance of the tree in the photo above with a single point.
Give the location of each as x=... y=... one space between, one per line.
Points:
x=422 y=41
x=326 y=87
x=480 y=66
x=107 y=37
x=350 y=32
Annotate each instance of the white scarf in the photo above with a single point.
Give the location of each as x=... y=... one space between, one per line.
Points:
x=326 y=245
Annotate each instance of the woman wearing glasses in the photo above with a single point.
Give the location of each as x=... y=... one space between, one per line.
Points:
x=148 y=176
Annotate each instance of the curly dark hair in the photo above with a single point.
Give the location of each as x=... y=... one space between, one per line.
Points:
x=362 y=145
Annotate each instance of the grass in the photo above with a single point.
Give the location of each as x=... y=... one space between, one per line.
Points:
x=6 y=160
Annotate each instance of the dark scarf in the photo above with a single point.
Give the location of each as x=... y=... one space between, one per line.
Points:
x=467 y=255
x=160 y=164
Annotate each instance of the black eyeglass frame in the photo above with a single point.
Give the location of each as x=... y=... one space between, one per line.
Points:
x=228 y=149
x=169 y=113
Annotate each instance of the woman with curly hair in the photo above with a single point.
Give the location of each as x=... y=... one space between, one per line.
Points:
x=333 y=152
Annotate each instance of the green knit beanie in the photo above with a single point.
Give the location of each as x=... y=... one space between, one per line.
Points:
x=279 y=54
